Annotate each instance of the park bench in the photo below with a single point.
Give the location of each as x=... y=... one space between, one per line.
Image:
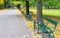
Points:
x=29 y=16
x=50 y=20
x=45 y=28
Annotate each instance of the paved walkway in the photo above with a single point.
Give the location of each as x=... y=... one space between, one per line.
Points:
x=12 y=25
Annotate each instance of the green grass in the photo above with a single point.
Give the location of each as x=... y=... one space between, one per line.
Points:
x=49 y=12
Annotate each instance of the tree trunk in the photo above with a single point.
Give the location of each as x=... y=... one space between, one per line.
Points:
x=39 y=11
x=5 y=3
x=27 y=6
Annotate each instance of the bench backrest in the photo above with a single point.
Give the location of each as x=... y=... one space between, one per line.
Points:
x=51 y=21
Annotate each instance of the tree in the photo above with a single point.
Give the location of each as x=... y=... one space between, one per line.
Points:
x=39 y=12
x=1 y=1
x=32 y=1
x=27 y=6
x=51 y=4
x=7 y=3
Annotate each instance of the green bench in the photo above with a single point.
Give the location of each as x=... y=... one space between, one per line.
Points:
x=44 y=27
x=49 y=20
x=29 y=16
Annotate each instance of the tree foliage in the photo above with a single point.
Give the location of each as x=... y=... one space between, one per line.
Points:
x=51 y=3
x=32 y=3
x=1 y=1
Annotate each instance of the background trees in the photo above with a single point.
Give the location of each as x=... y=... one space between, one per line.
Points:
x=48 y=4
x=51 y=4
x=1 y=1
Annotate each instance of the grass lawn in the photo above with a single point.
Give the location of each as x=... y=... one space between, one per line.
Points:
x=49 y=12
